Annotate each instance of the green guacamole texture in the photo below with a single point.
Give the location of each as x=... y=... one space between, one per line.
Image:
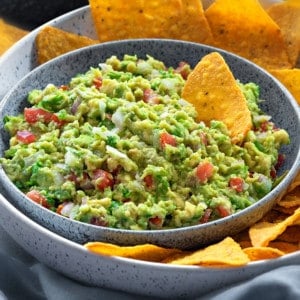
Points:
x=118 y=147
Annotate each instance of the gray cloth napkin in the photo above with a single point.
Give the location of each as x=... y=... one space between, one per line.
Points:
x=23 y=277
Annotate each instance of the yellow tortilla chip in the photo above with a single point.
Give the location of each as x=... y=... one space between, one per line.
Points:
x=52 y=42
x=227 y=252
x=290 y=78
x=245 y=28
x=287 y=15
x=213 y=90
x=9 y=35
x=176 y=19
x=192 y=24
x=147 y=252
x=260 y=253
x=290 y=200
x=262 y=233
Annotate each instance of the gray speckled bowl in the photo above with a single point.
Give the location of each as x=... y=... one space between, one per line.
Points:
x=278 y=103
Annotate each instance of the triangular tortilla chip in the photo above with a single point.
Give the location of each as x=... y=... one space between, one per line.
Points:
x=9 y=34
x=176 y=19
x=147 y=252
x=213 y=90
x=52 y=42
x=263 y=232
x=290 y=78
x=287 y=15
x=245 y=28
x=259 y=253
x=226 y=252
x=290 y=200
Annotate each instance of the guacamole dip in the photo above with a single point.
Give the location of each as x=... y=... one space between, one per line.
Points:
x=119 y=147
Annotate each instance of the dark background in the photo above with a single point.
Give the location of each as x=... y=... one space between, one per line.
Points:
x=29 y=14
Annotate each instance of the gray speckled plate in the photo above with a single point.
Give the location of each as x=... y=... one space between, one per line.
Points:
x=71 y=258
x=152 y=279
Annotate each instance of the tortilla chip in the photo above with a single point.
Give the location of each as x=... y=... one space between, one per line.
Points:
x=9 y=35
x=260 y=253
x=147 y=252
x=176 y=19
x=290 y=78
x=192 y=24
x=52 y=42
x=213 y=90
x=284 y=246
x=245 y=28
x=262 y=233
x=227 y=252
x=287 y=15
x=290 y=201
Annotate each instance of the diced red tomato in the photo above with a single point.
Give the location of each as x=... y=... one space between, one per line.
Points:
x=33 y=115
x=59 y=208
x=206 y=216
x=57 y=120
x=167 y=139
x=264 y=126
x=64 y=87
x=204 y=171
x=149 y=181
x=150 y=97
x=97 y=82
x=103 y=179
x=222 y=211
x=156 y=221
x=273 y=173
x=237 y=184
x=37 y=197
x=280 y=161
x=25 y=136
x=183 y=69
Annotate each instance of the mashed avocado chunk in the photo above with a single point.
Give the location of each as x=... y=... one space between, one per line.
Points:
x=118 y=146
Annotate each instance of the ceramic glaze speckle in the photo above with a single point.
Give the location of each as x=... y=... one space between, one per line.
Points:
x=278 y=103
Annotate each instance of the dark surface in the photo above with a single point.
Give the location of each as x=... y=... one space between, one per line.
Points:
x=29 y=14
